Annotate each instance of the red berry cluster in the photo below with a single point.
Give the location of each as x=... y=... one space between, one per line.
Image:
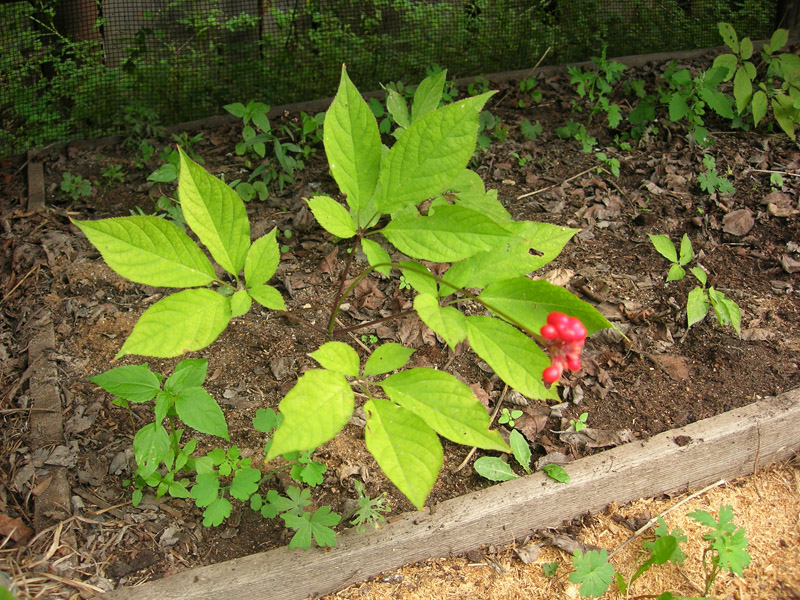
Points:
x=565 y=338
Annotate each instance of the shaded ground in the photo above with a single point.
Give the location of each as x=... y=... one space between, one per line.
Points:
x=661 y=377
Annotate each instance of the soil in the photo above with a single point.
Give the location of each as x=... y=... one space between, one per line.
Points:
x=657 y=377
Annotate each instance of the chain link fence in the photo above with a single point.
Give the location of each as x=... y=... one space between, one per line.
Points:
x=84 y=68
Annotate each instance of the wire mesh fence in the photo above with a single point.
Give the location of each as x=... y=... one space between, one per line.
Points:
x=83 y=68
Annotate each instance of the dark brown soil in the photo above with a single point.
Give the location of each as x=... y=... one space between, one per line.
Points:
x=662 y=376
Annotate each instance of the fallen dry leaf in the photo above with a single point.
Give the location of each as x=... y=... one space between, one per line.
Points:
x=14 y=529
x=789 y=264
x=738 y=222
x=676 y=367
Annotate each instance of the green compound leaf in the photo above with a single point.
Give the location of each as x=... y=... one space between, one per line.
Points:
x=676 y=272
x=529 y=302
x=353 y=147
x=727 y=311
x=267 y=296
x=387 y=358
x=513 y=356
x=317 y=525
x=451 y=233
x=696 y=305
x=314 y=411
x=664 y=247
x=198 y=409
x=448 y=322
x=742 y=89
x=407 y=450
x=431 y=153
x=245 y=483
x=241 y=302
x=337 y=357
x=332 y=216
x=215 y=213
x=419 y=276
x=265 y=420
x=188 y=373
x=686 y=250
x=470 y=192
x=151 y=448
x=216 y=512
x=186 y=321
x=521 y=449
x=135 y=383
x=446 y=405
x=150 y=251
x=376 y=255
x=557 y=473
x=592 y=572
x=759 y=107
x=397 y=107
x=494 y=469
x=206 y=489
x=262 y=259
x=428 y=95
x=512 y=258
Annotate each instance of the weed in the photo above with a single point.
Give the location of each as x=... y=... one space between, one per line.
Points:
x=113 y=174
x=508 y=417
x=700 y=298
x=521 y=160
x=726 y=550
x=712 y=182
x=780 y=86
x=369 y=511
x=530 y=131
x=75 y=186
x=579 y=423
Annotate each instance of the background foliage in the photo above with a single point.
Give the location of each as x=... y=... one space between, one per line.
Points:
x=113 y=65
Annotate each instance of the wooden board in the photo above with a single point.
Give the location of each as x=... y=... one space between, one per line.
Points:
x=723 y=447
x=35 y=184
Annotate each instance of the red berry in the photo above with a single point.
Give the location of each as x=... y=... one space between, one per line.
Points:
x=549 y=332
x=558 y=320
x=579 y=329
x=573 y=363
x=551 y=374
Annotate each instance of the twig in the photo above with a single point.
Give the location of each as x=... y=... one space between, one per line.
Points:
x=528 y=74
x=778 y=172
x=655 y=519
x=19 y=283
x=533 y=193
x=494 y=414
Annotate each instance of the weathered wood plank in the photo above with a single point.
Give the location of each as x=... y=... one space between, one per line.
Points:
x=35 y=184
x=726 y=446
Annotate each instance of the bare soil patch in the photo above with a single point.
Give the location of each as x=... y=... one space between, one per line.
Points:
x=662 y=376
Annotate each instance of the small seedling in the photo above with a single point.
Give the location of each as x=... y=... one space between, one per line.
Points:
x=701 y=298
x=579 y=423
x=369 y=339
x=726 y=551
x=507 y=417
x=611 y=162
x=549 y=569
x=521 y=160
x=530 y=131
x=712 y=182
x=776 y=182
x=75 y=186
x=369 y=511
x=403 y=284
x=528 y=87
x=113 y=173
x=496 y=469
